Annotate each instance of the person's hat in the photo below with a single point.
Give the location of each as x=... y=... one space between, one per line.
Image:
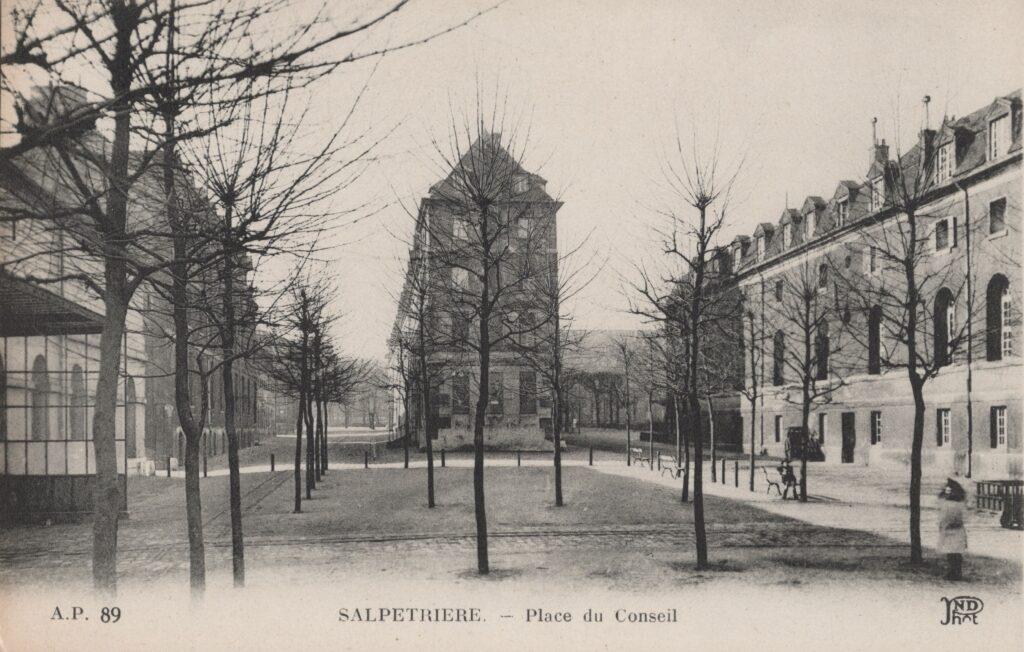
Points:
x=954 y=490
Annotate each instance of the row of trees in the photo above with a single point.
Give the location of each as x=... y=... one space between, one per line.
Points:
x=183 y=162
x=805 y=330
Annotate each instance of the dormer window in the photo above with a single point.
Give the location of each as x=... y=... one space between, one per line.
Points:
x=878 y=193
x=842 y=212
x=998 y=137
x=809 y=223
x=760 y=247
x=787 y=235
x=944 y=159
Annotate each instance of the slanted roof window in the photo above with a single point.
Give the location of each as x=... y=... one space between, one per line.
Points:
x=944 y=162
x=842 y=212
x=878 y=193
x=998 y=137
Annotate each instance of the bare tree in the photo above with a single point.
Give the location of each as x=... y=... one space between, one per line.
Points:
x=906 y=295
x=479 y=221
x=699 y=185
x=808 y=340
x=624 y=349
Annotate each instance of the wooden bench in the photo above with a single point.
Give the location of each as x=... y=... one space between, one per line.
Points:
x=637 y=455
x=771 y=483
x=671 y=464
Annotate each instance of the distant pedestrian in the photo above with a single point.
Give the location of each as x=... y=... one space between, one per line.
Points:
x=952 y=535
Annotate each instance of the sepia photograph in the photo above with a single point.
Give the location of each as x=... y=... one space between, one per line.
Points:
x=511 y=325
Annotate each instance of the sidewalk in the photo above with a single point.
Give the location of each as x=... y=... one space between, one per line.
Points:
x=832 y=505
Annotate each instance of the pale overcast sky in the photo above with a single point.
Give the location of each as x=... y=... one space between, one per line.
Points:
x=792 y=84
x=600 y=83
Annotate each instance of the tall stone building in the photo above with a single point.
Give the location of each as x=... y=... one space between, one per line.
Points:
x=969 y=252
x=442 y=279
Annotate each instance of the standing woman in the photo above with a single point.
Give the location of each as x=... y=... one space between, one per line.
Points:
x=952 y=535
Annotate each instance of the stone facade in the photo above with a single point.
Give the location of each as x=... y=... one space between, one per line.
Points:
x=971 y=211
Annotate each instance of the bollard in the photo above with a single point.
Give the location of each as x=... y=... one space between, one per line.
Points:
x=659 y=460
x=168 y=466
x=723 y=471
x=519 y=458
x=591 y=456
x=736 y=474
x=366 y=459
x=204 y=465
x=271 y=462
x=442 y=457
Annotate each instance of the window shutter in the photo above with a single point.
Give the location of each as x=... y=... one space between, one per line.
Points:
x=938 y=427
x=992 y=431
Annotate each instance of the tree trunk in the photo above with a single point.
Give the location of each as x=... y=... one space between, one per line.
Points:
x=227 y=370
x=317 y=437
x=107 y=498
x=323 y=442
x=650 y=425
x=679 y=441
x=805 y=423
x=480 y=509
x=299 y=417
x=425 y=417
x=557 y=437
x=915 y=473
x=629 y=443
x=714 y=449
x=310 y=481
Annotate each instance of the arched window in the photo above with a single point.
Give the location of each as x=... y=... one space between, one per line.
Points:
x=998 y=325
x=78 y=403
x=40 y=394
x=943 y=326
x=129 y=416
x=875 y=340
x=822 y=346
x=778 y=353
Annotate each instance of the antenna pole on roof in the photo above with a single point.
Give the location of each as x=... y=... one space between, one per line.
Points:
x=927 y=100
x=874 y=131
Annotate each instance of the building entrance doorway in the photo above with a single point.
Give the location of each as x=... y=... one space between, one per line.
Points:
x=849 y=437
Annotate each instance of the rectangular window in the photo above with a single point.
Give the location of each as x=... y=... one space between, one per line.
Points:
x=998 y=137
x=458 y=228
x=943 y=427
x=787 y=235
x=527 y=392
x=809 y=224
x=496 y=394
x=873 y=260
x=460 y=393
x=944 y=163
x=998 y=426
x=822 y=423
x=760 y=247
x=842 y=212
x=997 y=216
x=523 y=228
x=941 y=235
x=876 y=427
x=778 y=290
x=878 y=193
x=778 y=428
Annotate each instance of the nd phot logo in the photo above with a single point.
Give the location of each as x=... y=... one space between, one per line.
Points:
x=962 y=609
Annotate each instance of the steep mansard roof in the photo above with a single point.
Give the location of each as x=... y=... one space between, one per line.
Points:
x=971 y=135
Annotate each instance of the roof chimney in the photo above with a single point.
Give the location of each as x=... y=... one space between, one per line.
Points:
x=880 y=153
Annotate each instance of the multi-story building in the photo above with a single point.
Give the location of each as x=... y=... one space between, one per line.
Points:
x=50 y=325
x=519 y=408
x=968 y=175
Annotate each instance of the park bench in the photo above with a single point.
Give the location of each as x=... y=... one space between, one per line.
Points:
x=671 y=464
x=637 y=455
x=776 y=484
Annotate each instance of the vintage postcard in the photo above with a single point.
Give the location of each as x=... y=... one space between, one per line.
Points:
x=511 y=325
